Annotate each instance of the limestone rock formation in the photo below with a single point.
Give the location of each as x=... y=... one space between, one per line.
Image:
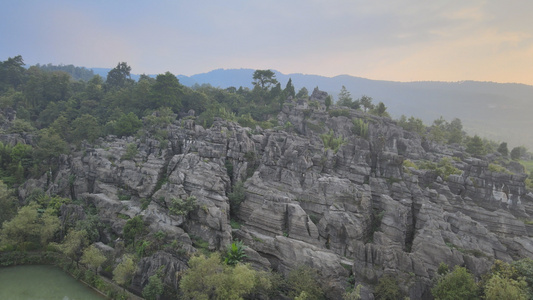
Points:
x=351 y=210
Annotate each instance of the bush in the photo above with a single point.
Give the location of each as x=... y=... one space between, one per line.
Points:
x=458 y=284
x=304 y=279
x=154 y=288
x=331 y=141
x=236 y=197
x=443 y=169
x=387 y=288
x=131 y=152
x=235 y=253
x=360 y=127
x=182 y=207
x=208 y=278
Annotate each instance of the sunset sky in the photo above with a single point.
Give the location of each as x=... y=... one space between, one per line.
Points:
x=409 y=40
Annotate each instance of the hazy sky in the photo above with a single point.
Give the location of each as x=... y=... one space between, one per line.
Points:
x=408 y=40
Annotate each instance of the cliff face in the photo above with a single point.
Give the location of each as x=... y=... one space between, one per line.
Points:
x=351 y=210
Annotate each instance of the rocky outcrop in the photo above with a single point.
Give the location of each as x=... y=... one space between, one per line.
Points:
x=347 y=210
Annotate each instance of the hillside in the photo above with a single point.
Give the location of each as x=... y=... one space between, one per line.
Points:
x=477 y=104
x=178 y=192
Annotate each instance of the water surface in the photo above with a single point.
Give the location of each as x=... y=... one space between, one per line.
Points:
x=42 y=283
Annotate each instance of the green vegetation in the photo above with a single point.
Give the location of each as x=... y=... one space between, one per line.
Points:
x=235 y=253
x=493 y=167
x=304 y=279
x=331 y=141
x=208 y=278
x=57 y=113
x=124 y=271
x=93 y=258
x=236 y=197
x=182 y=207
x=360 y=127
x=133 y=229
x=412 y=124
x=154 y=288
x=443 y=169
x=458 y=284
x=387 y=288
x=131 y=152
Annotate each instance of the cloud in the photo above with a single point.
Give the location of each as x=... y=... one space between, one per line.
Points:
x=395 y=40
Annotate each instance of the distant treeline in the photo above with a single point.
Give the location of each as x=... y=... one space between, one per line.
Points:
x=77 y=73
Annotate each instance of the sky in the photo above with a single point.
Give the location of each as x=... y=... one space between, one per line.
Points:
x=408 y=40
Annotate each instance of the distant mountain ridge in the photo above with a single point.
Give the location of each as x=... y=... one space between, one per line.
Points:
x=499 y=111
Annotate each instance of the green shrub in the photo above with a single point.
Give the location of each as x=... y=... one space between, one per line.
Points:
x=182 y=207
x=458 y=284
x=498 y=168
x=236 y=197
x=387 y=288
x=331 y=141
x=443 y=169
x=131 y=152
x=235 y=253
x=360 y=127
x=409 y=164
x=304 y=279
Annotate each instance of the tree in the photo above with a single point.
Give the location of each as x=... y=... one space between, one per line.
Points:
x=208 y=278
x=524 y=269
x=86 y=127
x=304 y=279
x=264 y=79
x=412 y=124
x=61 y=126
x=328 y=102
x=29 y=227
x=124 y=271
x=95 y=90
x=518 y=152
x=119 y=76
x=8 y=203
x=366 y=102
x=345 y=98
x=504 y=288
x=132 y=229
x=380 y=110
x=93 y=258
x=289 y=89
x=455 y=131
x=12 y=72
x=303 y=93
x=387 y=288
x=166 y=92
x=127 y=125
x=458 y=284
x=475 y=146
x=73 y=243
x=154 y=288
x=49 y=146
x=236 y=197
x=503 y=150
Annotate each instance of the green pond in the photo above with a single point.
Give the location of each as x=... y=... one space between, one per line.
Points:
x=42 y=283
